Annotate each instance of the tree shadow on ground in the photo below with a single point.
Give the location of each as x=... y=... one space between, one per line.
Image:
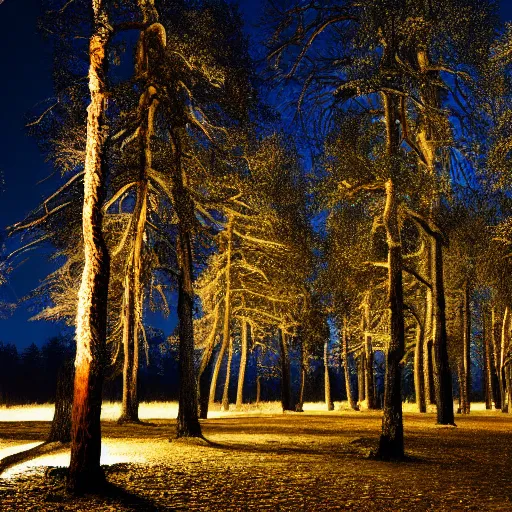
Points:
x=109 y=494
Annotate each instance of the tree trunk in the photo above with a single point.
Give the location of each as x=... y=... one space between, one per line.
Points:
x=391 y=443
x=225 y=394
x=428 y=377
x=487 y=363
x=258 y=389
x=467 y=349
x=369 y=380
x=419 y=377
x=205 y=369
x=286 y=392
x=303 y=365
x=227 y=311
x=430 y=95
x=346 y=368
x=85 y=472
x=501 y=375
x=360 y=378
x=60 y=430
x=442 y=375
x=327 y=380
x=509 y=387
x=496 y=352
x=133 y=304
x=243 y=365
x=188 y=419
x=204 y=383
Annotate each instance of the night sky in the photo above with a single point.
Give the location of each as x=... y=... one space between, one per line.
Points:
x=25 y=64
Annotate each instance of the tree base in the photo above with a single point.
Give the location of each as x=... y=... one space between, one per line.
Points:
x=91 y=481
x=128 y=419
x=192 y=429
x=390 y=449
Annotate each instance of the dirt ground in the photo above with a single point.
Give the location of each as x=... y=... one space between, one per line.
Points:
x=296 y=461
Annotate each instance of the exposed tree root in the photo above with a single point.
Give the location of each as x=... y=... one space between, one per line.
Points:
x=32 y=453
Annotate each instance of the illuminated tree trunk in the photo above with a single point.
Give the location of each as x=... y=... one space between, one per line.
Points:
x=346 y=369
x=495 y=349
x=429 y=388
x=205 y=369
x=427 y=142
x=286 y=392
x=91 y=320
x=419 y=380
x=225 y=395
x=391 y=443
x=227 y=311
x=243 y=365
x=487 y=362
x=467 y=349
x=505 y=326
x=132 y=307
x=327 y=380
x=369 y=379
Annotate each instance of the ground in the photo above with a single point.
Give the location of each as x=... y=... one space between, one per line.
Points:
x=258 y=461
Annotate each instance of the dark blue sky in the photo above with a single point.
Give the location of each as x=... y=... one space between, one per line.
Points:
x=26 y=82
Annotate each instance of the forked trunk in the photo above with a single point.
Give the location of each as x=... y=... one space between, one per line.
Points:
x=85 y=472
x=243 y=365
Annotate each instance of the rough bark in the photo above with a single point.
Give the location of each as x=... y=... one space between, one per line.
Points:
x=286 y=392
x=391 y=443
x=85 y=472
x=327 y=380
x=243 y=365
x=442 y=375
x=346 y=368
x=60 y=430
x=188 y=420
